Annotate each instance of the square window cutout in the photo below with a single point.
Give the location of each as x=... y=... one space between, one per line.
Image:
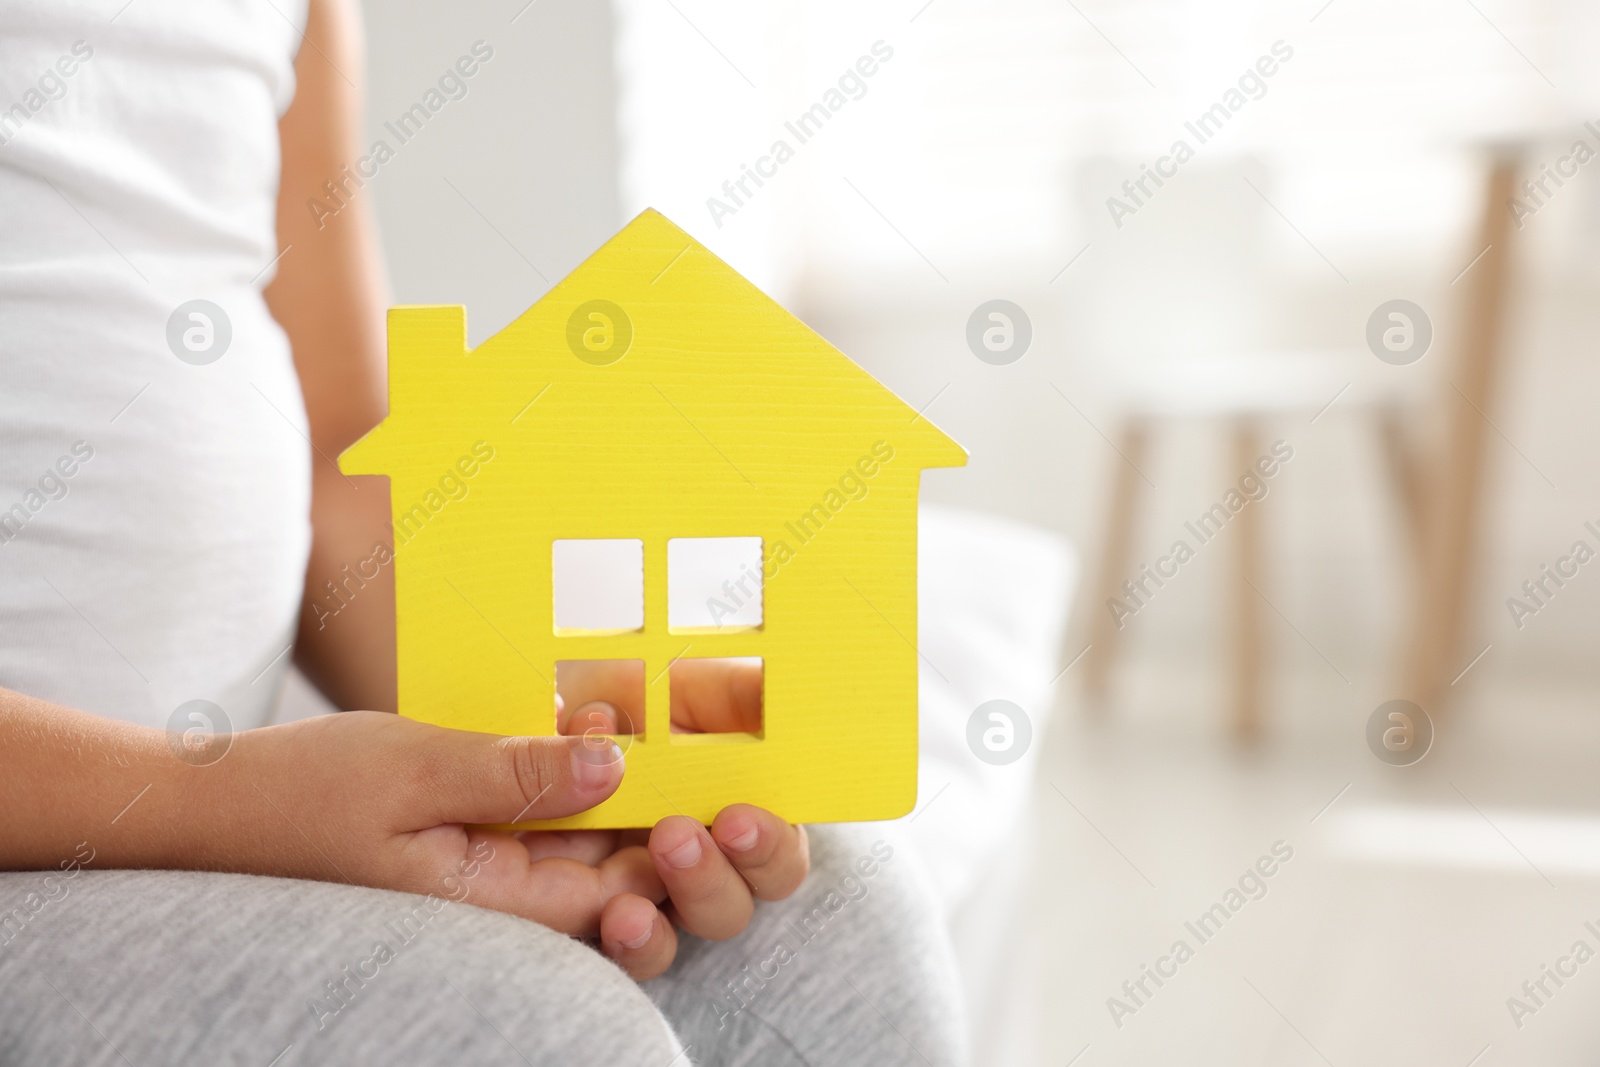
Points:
x=600 y=696
x=718 y=699
x=598 y=584
x=713 y=583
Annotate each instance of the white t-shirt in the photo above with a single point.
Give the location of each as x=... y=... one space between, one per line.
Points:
x=154 y=510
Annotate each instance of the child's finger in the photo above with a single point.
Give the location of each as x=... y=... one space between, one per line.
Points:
x=595 y=717
x=635 y=934
x=595 y=720
x=460 y=777
x=716 y=695
x=560 y=893
x=773 y=856
x=632 y=870
x=585 y=846
x=711 y=899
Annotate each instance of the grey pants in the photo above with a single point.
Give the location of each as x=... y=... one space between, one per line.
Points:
x=160 y=967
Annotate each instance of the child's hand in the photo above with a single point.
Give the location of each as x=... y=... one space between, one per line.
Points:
x=711 y=879
x=379 y=800
x=383 y=801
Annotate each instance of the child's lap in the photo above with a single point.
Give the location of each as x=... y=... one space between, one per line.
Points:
x=174 y=966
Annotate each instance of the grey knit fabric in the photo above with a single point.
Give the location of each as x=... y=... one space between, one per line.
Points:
x=169 y=967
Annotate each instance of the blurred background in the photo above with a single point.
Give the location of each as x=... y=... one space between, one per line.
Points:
x=1159 y=339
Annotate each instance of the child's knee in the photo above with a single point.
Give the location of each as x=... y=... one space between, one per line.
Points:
x=344 y=974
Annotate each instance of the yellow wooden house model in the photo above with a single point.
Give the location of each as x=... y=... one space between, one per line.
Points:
x=654 y=395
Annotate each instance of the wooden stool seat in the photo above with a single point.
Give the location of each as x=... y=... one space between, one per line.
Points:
x=1441 y=499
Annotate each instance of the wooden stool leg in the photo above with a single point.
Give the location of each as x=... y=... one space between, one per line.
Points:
x=1248 y=657
x=1454 y=514
x=1405 y=477
x=1102 y=630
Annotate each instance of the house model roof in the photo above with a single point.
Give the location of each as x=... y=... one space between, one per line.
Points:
x=695 y=336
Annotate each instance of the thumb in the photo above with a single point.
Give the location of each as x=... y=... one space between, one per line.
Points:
x=484 y=778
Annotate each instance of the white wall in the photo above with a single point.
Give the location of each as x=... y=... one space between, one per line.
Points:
x=531 y=148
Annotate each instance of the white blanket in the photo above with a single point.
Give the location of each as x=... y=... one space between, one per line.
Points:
x=992 y=597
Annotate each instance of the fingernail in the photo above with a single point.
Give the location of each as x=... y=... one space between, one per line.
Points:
x=686 y=854
x=744 y=840
x=642 y=939
x=595 y=767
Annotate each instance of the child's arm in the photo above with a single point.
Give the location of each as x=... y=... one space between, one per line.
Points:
x=366 y=798
x=329 y=296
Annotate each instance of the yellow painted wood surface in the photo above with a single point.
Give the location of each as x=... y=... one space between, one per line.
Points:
x=688 y=404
